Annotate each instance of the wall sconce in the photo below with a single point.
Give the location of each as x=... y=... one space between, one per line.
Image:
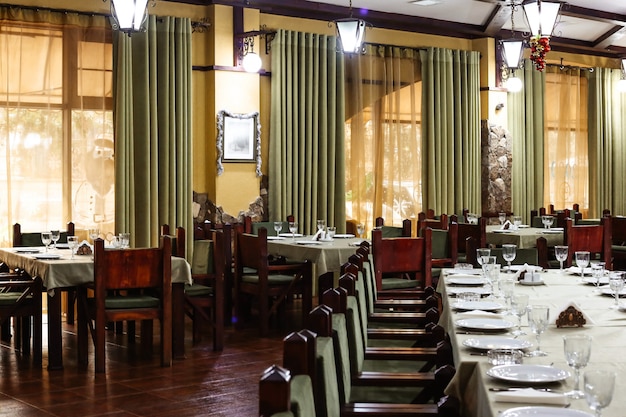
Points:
x=129 y=16
x=247 y=58
x=351 y=33
x=512 y=51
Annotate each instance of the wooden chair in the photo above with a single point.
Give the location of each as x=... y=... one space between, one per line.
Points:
x=21 y=298
x=410 y=257
x=469 y=238
x=618 y=245
x=141 y=282
x=594 y=239
x=256 y=278
x=394 y=231
x=493 y=216
x=442 y=223
x=253 y=227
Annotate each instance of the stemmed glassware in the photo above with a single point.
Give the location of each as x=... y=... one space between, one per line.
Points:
x=517 y=221
x=577 y=350
x=597 y=271
x=93 y=234
x=360 y=229
x=72 y=243
x=55 y=235
x=46 y=238
x=293 y=228
x=547 y=221
x=519 y=307
x=278 y=226
x=560 y=252
x=538 y=316
x=616 y=284
x=507 y=287
x=482 y=256
x=508 y=253
x=582 y=260
x=321 y=224
x=598 y=387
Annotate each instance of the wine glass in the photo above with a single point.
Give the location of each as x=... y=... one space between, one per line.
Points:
x=561 y=254
x=501 y=217
x=72 y=243
x=507 y=287
x=472 y=218
x=508 y=253
x=55 y=235
x=482 y=255
x=597 y=272
x=46 y=238
x=616 y=284
x=517 y=221
x=577 y=349
x=278 y=226
x=538 y=316
x=519 y=307
x=321 y=224
x=93 y=234
x=547 y=221
x=124 y=240
x=582 y=260
x=360 y=229
x=598 y=386
x=293 y=228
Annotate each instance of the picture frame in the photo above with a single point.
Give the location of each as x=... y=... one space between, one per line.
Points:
x=238 y=139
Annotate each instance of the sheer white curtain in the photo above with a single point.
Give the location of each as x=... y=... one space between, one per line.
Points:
x=56 y=141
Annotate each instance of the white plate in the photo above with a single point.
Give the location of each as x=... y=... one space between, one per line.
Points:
x=27 y=251
x=475 y=290
x=47 y=256
x=591 y=280
x=275 y=238
x=477 y=305
x=576 y=270
x=473 y=271
x=529 y=374
x=551 y=231
x=543 y=412
x=63 y=246
x=465 y=280
x=343 y=235
x=308 y=242
x=290 y=235
x=502 y=231
x=608 y=291
x=531 y=283
x=496 y=342
x=485 y=324
x=523 y=226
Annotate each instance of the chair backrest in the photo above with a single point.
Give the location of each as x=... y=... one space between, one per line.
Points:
x=395 y=231
x=252 y=251
x=444 y=245
x=618 y=230
x=423 y=221
x=253 y=227
x=476 y=231
x=179 y=244
x=595 y=239
x=34 y=238
x=402 y=255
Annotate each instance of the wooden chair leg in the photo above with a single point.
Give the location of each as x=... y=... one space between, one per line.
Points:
x=71 y=301
x=82 y=331
x=25 y=323
x=147 y=336
x=5 y=331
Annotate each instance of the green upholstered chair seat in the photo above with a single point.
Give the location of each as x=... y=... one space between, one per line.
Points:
x=399 y=283
x=9 y=298
x=248 y=271
x=202 y=262
x=132 y=301
x=277 y=279
x=462 y=258
x=302 y=402
x=284 y=414
x=391 y=231
x=618 y=248
x=198 y=290
x=329 y=389
x=440 y=244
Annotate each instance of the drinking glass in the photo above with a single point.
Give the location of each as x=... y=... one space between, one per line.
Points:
x=508 y=253
x=360 y=229
x=493 y=275
x=124 y=240
x=519 y=307
x=517 y=221
x=598 y=386
x=293 y=228
x=55 y=235
x=93 y=234
x=501 y=217
x=582 y=260
x=482 y=256
x=507 y=287
x=597 y=272
x=321 y=224
x=46 y=238
x=72 y=243
x=538 y=316
x=616 y=284
x=278 y=226
x=331 y=232
x=577 y=349
x=472 y=218
x=561 y=255
x=547 y=221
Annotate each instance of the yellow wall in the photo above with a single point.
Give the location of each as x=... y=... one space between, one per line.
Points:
x=239 y=92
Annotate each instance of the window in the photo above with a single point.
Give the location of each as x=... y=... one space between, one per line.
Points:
x=56 y=124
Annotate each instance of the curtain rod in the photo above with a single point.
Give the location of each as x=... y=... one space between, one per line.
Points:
x=50 y=9
x=414 y=48
x=563 y=67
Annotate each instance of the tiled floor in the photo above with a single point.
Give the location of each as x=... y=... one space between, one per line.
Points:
x=206 y=383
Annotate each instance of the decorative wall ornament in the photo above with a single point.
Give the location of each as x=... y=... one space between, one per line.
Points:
x=238 y=139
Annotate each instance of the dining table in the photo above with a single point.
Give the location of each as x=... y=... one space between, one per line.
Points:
x=59 y=270
x=524 y=237
x=470 y=324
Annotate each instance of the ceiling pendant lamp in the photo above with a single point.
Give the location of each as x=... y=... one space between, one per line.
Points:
x=129 y=16
x=351 y=32
x=541 y=17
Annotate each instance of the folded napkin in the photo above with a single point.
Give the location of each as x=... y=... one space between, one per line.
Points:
x=480 y=313
x=531 y=396
x=525 y=268
x=507 y=225
x=555 y=313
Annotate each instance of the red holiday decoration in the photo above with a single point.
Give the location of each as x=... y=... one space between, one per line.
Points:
x=539 y=47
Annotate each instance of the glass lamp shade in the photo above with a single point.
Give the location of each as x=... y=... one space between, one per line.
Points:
x=513 y=51
x=624 y=65
x=513 y=85
x=541 y=16
x=621 y=86
x=351 y=34
x=252 y=62
x=129 y=15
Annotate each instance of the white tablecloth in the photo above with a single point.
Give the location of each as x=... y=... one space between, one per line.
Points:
x=523 y=238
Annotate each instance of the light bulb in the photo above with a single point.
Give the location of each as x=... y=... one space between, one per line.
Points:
x=252 y=62
x=513 y=85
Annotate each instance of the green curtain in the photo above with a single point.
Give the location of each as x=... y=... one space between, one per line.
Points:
x=607 y=151
x=525 y=119
x=306 y=163
x=450 y=130
x=152 y=85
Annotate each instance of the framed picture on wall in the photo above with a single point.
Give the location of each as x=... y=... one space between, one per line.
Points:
x=238 y=139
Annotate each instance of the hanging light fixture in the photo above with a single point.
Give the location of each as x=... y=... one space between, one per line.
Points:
x=541 y=17
x=351 y=32
x=621 y=84
x=129 y=16
x=512 y=51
